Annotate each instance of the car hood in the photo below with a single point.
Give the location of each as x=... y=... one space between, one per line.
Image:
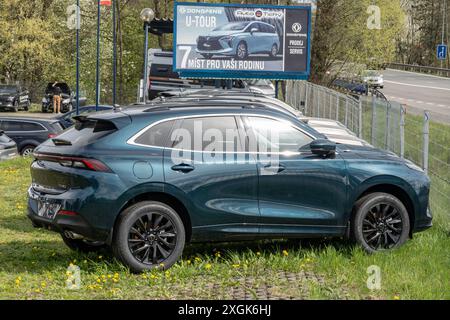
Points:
x=367 y=152
x=222 y=33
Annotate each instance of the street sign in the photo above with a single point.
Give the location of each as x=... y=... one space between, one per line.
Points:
x=242 y=41
x=442 y=51
x=105 y=3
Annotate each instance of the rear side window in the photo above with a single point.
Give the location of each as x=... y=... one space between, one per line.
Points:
x=21 y=126
x=86 y=132
x=157 y=135
x=32 y=126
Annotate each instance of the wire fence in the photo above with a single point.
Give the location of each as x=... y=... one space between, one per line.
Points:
x=386 y=125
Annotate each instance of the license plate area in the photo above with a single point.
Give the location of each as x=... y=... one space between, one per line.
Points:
x=47 y=209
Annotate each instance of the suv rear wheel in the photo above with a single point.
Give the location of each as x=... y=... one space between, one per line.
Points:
x=27 y=150
x=381 y=222
x=148 y=235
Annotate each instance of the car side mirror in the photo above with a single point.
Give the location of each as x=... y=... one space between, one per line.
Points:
x=323 y=147
x=253 y=30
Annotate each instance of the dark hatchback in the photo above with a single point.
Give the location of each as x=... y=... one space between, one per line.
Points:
x=134 y=180
x=29 y=132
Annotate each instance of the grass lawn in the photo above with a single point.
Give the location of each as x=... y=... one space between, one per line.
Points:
x=34 y=262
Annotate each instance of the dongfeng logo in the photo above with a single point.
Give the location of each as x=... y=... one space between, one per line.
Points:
x=296 y=27
x=182 y=10
x=258 y=13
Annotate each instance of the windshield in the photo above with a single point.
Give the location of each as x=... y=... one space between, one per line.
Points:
x=7 y=89
x=371 y=73
x=232 y=26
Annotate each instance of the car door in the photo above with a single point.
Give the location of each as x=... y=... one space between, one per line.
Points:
x=206 y=164
x=299 y=192
x=253 y=38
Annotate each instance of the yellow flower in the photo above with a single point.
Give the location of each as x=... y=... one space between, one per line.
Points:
x=43 y=284
x=152 y=276
x=37 y=290
x=217 y=254
x=396 y=297
x=98 y=280
x=308 y=260
x=116 y=275
x=235 y=265
x=208 y=266
x=188 y=262
x=109 y=276
x=285 y=253
x=144 y=276
x=197 y=259
x=258 y=253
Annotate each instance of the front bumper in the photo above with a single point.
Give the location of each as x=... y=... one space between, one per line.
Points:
x=6 y=104
x=61 y=223
x=425 y=222
x=227 y=51
x=6 y=154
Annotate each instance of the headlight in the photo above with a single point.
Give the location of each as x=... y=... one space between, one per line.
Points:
x=66 y=101
x=413 y=166
x=10 y=98
x=228 y=39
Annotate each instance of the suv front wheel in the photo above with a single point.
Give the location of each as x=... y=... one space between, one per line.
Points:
x=381 y=222
x=148 y=235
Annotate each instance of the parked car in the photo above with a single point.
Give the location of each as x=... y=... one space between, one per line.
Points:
x=373 y=78
x=128 y=180
x=14 y=97
x=239 y=40
x=68 y=98
x=29 y=132
x=8 y=148
x=162 y=78
x=66 y=120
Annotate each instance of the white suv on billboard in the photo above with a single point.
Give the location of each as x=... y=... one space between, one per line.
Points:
x=240 y=39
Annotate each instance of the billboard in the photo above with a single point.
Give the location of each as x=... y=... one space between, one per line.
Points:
x=241 y=41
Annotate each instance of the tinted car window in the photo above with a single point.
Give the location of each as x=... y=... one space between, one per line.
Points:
x=87 y=132
x=157 y=135
x=11 y=126
x=218 y=133
x=276 y=136
x=31 y=126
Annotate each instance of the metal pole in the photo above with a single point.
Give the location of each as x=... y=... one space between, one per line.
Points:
x=388 y=127
x=360 y=119
x=402 y=130
x=337 y=107
x=306 y=97
x=114 y=52
x=78 y=25
x=443 y=28
x=346 y=112
x=331 y=103
x=426 y=139
x=374 y=121
x=97 y=75
x=276 y=89
x=145 y=80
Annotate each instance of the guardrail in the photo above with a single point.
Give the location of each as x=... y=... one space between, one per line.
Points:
x=421 y=69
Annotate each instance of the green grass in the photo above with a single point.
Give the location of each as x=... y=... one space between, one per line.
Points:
x=34 y=262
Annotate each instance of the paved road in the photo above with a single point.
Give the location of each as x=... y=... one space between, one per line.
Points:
x=419 y=92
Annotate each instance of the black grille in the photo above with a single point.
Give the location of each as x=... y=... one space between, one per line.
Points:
x=209 y=43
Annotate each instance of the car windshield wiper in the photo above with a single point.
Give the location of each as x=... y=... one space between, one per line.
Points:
x=61 y=142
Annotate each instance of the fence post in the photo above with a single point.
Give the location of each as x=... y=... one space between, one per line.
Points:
x=306 y=98
x=426 y=139
x=373 y=131
x=402 y=130
x=337 y=107
x=331 y=103
x=360 y=119
x=346 y=112
x=388 y=127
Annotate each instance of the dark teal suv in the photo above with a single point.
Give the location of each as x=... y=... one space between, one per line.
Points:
x=148 y=180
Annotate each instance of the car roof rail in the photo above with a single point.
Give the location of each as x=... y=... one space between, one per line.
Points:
x=207 y=104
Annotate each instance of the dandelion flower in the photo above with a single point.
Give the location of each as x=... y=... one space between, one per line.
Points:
x=208 y=266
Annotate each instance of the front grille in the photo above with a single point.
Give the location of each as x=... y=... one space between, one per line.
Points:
x=209 y=43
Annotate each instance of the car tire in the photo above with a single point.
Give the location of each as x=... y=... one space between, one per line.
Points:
x=27 y=106
x=82 y=245
x=207 y=55
x=148 y=235
x=241 y=50
x=27 y=150
x=380 y=222
x=43 y=109
x=274 y=51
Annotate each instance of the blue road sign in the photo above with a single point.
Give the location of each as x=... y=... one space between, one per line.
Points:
x=442 y=52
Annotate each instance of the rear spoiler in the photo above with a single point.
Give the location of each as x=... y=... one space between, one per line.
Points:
x=119 y=119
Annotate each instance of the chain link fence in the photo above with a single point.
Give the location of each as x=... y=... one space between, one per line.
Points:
x=385 y=125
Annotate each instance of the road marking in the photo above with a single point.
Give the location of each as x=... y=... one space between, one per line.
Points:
x=416 y=85
x=420 y=74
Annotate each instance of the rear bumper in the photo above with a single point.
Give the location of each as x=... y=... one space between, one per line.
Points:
x=61 y=223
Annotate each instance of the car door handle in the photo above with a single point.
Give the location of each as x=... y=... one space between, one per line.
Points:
x=275 y=168
x=183 y=167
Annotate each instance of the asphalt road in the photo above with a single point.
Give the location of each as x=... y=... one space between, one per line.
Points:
x=419 y=92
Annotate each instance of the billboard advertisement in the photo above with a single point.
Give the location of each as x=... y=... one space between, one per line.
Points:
x=242 y=41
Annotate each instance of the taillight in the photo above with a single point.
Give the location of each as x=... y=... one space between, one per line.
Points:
x=51 y=135
x=75 y=162
x=67 y=213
